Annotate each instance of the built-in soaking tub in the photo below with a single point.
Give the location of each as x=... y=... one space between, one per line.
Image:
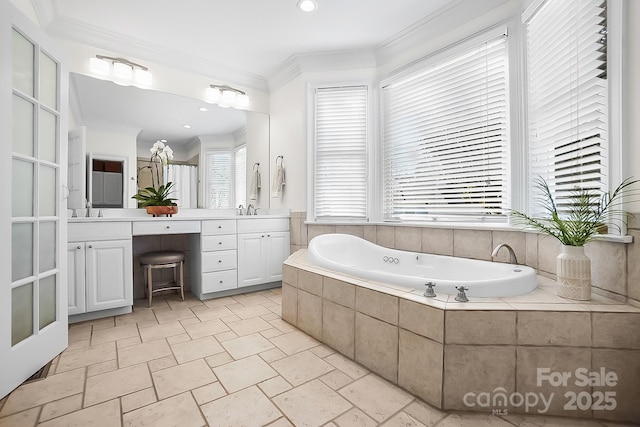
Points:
x=358 y=257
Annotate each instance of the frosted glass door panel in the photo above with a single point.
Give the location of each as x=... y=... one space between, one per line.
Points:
x=22 y=126
x=23 y=63
x=48 y=81
x=21 y=313
x=22 y=189
x=47 y=300
x=21 y=251
x=47 y=193
x=47 y=126
x=48 y=246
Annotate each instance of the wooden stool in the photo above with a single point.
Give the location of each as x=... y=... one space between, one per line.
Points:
x=163 y=259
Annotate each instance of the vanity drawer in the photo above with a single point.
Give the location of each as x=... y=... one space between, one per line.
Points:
x=93 y=230
x=219 y=260
x=256 y=224
x=219 y=281
x=142 y=228
x=219 y=226
x=219 y=243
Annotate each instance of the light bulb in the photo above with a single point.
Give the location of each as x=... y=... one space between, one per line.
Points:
x=99 y=66
x=307 y=5
x=242 y=101
x=229 y=97
x=212 y=95
x=142 y=77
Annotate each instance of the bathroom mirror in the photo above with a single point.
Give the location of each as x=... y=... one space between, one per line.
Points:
x=124 y=122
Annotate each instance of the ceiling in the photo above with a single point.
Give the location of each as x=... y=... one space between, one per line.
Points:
x=238 y=41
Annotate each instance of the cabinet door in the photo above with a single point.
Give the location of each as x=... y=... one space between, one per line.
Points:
x=109 y=274
x=277 y=250
x=250 y=259
x=76 y=268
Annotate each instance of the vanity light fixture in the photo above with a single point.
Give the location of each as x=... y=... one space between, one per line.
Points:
x=307 y=5
x=226 y=96
x=121 y=71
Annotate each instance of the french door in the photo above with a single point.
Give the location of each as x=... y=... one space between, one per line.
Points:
x=33 y=287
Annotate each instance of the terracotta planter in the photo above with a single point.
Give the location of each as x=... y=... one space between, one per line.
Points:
x=574 y=273
x=162 y=210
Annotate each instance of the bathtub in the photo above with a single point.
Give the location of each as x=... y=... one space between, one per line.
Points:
x=358 y=257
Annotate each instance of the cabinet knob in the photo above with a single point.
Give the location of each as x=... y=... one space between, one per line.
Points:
x=79 y=247
x=263 y=235
x=220 y=281
x=219 y=226
x=90 y=246
x=219 y=260
x=219 y=243
x=268 y=235
x=168 y=227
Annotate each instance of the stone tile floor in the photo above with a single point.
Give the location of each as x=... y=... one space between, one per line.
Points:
x=224 y=362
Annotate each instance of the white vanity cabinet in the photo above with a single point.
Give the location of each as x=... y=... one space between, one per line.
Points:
x=215 y=269
x=263 y=245
x=100 y=266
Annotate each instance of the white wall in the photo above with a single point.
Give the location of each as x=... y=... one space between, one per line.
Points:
x=631 y=90
x=108 y=143
x=257 y=137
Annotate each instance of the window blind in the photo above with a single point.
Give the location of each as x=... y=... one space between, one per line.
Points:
x=445 y=137
x=218 y=178
x=241 y=175
x=567 y=96
x=340 y=181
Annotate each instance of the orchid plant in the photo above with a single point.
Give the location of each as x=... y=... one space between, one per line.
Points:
x=157 y=194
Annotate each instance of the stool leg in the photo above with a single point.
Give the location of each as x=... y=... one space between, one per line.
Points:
x=182 y=279
x=149 y=283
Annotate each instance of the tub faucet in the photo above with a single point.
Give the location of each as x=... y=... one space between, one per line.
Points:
x=512 y=254
x=462 y=297
x=430 y=293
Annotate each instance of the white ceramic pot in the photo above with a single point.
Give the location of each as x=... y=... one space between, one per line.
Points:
x=574 y=273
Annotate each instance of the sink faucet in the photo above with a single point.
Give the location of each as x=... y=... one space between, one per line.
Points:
x=512 y=254
x=249 y=207
x=240 y=209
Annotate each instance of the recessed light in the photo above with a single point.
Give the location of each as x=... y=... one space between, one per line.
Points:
x=203 y=109
x=307 y=5
x=187 y=126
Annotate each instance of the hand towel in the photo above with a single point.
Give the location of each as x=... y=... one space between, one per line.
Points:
x=255 y=185
x=278 y=182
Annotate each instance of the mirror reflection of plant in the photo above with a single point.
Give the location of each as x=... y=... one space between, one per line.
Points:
x=152 y=197
x=586 y=212
x=157 y=194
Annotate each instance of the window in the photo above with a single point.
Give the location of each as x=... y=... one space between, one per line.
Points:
x=567 y=96
x=445 y=144
x=218 y=179
x=241 y=175
x=340 y=136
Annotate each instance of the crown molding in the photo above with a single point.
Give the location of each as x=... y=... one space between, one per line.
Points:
x=46 y=11
x=83 y=33
x=300 y=63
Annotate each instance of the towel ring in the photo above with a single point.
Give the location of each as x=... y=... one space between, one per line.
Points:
x=281 y=160
x=256 y=166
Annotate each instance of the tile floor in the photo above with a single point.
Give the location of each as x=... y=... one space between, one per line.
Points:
x=224 y=362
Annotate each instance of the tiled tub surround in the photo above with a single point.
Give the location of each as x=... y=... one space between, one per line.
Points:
x=440 y=350
x=615 y=267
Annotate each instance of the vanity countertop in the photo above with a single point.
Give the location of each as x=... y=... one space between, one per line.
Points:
x=131 y=215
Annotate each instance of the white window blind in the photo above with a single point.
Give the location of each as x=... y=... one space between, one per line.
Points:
x=340 y=181
x=241 y=175
x=567 y=96
x=218 y=179
x=445 y=137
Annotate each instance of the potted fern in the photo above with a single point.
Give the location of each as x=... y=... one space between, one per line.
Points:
x=156 y=200
x=583 y=215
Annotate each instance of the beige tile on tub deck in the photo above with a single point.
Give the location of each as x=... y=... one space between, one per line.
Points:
x=616 y=330
x=310 y=282
x=421 y=319
x=248 y=407
x=290 y=304
x=554 y=328
x=339 y=292
x=378 y=398
x=310 y=314
x=385 y=236
x=437 y=241
x=338 y=327
x=608 y=265
x=476 y=369
x=420 y=363
x=408 y=239
x=105 y=414
x=180 y=410
x=377 y=346
x=552 y=359
x=626 y=365
x=380 y=305
x=327 y=404
x=480 y=327
x=290 y=275
x=474 y=244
